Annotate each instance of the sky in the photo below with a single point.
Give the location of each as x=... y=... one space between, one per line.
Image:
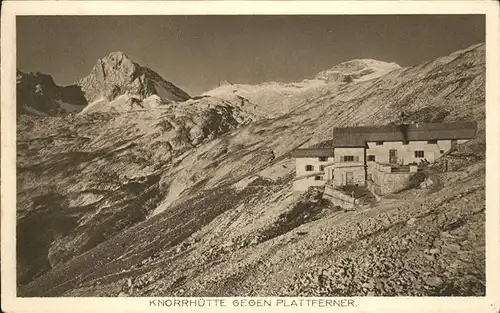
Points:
x=197 y=52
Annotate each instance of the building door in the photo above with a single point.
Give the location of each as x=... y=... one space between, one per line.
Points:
x=393 y=156
x=349 y=178
x=454 y=143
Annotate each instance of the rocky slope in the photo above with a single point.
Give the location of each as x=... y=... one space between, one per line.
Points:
x=100 y=166
x=88 y=199
x=217 y=217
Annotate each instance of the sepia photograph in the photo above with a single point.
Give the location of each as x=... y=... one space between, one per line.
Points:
x=247 y=155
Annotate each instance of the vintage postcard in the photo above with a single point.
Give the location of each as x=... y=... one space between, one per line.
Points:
x=189 y=156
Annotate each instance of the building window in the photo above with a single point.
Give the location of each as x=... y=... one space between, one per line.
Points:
x=406 y=142
x=323 y=159
x=379 y=143
x=419 y=154
x=321 y=167
x=432 y=141
x=348 y=158
x=317 y=178
x=309 y=168
x=371 y=158
x=441 y=151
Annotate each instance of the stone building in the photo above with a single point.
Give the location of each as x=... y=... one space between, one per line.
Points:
x=382 y=157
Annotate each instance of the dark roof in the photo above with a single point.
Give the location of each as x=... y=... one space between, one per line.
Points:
x=358 y=136
x=312 y=152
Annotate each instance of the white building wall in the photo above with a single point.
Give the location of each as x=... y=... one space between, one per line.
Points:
x=329 y=171
x=358 y=153
x=406 y=153
x=300 y=165
x=302 y=184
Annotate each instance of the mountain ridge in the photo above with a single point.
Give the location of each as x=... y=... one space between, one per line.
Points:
x=271 y=98
x=117 y=75
x=113 y=76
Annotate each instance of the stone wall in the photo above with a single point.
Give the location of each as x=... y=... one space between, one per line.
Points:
x=337 y=197
x=357 y=172
x=384 y=182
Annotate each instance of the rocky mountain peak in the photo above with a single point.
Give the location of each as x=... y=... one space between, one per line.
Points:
x=118 y=55
x=116 y=75
x=118 y=63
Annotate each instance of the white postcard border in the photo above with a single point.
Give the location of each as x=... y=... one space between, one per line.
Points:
x=489 y=303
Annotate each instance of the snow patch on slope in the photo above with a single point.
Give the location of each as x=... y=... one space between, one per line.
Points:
x=34 y=111
x=357 y=70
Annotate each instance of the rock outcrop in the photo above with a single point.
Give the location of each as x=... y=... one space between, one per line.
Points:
x=37 y=94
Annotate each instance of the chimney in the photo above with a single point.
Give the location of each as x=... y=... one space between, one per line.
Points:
x=403 y=128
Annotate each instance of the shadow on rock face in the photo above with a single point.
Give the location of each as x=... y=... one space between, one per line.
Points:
x=35 y=233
